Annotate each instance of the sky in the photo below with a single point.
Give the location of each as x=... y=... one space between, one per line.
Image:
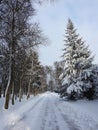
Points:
x=53 y=19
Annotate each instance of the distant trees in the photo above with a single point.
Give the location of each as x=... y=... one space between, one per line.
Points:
x=58 y=68
x=50 y=78
x=77 y=65
x=34 y=74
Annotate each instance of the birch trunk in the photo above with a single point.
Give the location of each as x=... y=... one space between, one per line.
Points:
x=10 y=83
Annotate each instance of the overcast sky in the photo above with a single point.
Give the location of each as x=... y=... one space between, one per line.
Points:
x=53 y=19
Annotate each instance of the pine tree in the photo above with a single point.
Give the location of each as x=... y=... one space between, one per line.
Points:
x=77 y=58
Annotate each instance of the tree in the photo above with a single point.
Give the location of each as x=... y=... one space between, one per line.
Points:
x=43 y=76
x=36 y=74
x=89 y=79
x=4 y=64
x=14 y=15
x=77 y=58
x=30 y=42
x=58 y=68
x=50 y=78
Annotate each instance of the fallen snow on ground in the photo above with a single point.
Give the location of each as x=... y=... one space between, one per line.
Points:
x=48 y=112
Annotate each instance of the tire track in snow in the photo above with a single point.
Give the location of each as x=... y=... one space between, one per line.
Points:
x=69 y=121
x=45 y=116
x=60 y=120
x=71 y=124
x=49 y=121
x=33 y=107
x=53 y=119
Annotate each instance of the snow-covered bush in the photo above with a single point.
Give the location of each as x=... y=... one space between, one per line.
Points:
x=90 y=79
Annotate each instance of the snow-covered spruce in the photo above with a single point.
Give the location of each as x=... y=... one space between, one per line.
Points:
x=77 y=76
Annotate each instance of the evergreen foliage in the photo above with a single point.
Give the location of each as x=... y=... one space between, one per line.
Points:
x=77 y=59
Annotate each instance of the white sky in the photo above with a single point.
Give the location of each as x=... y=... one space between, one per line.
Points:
x=53 y=19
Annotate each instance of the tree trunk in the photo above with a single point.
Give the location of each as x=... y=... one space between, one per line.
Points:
x=20 y=95
x=11 y=61
x=7 y=93
x=20 y=90
x=13 y=94
x=10 y=81
x=4 y=92
x=29 y=87
x=0 y=91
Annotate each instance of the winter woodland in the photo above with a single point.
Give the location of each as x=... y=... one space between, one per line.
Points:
x=23 y=77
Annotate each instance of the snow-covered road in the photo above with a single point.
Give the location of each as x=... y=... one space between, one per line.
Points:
x=49 y=112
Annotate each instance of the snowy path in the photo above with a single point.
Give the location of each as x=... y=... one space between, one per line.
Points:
x=48 y=112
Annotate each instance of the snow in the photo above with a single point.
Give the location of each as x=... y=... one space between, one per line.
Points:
x=71 y=88
x=88 y=107
x=74 y=87
x=61 y=76
x=65 y=81
x=82 y=114
x=48 y=112
x=2 y=56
